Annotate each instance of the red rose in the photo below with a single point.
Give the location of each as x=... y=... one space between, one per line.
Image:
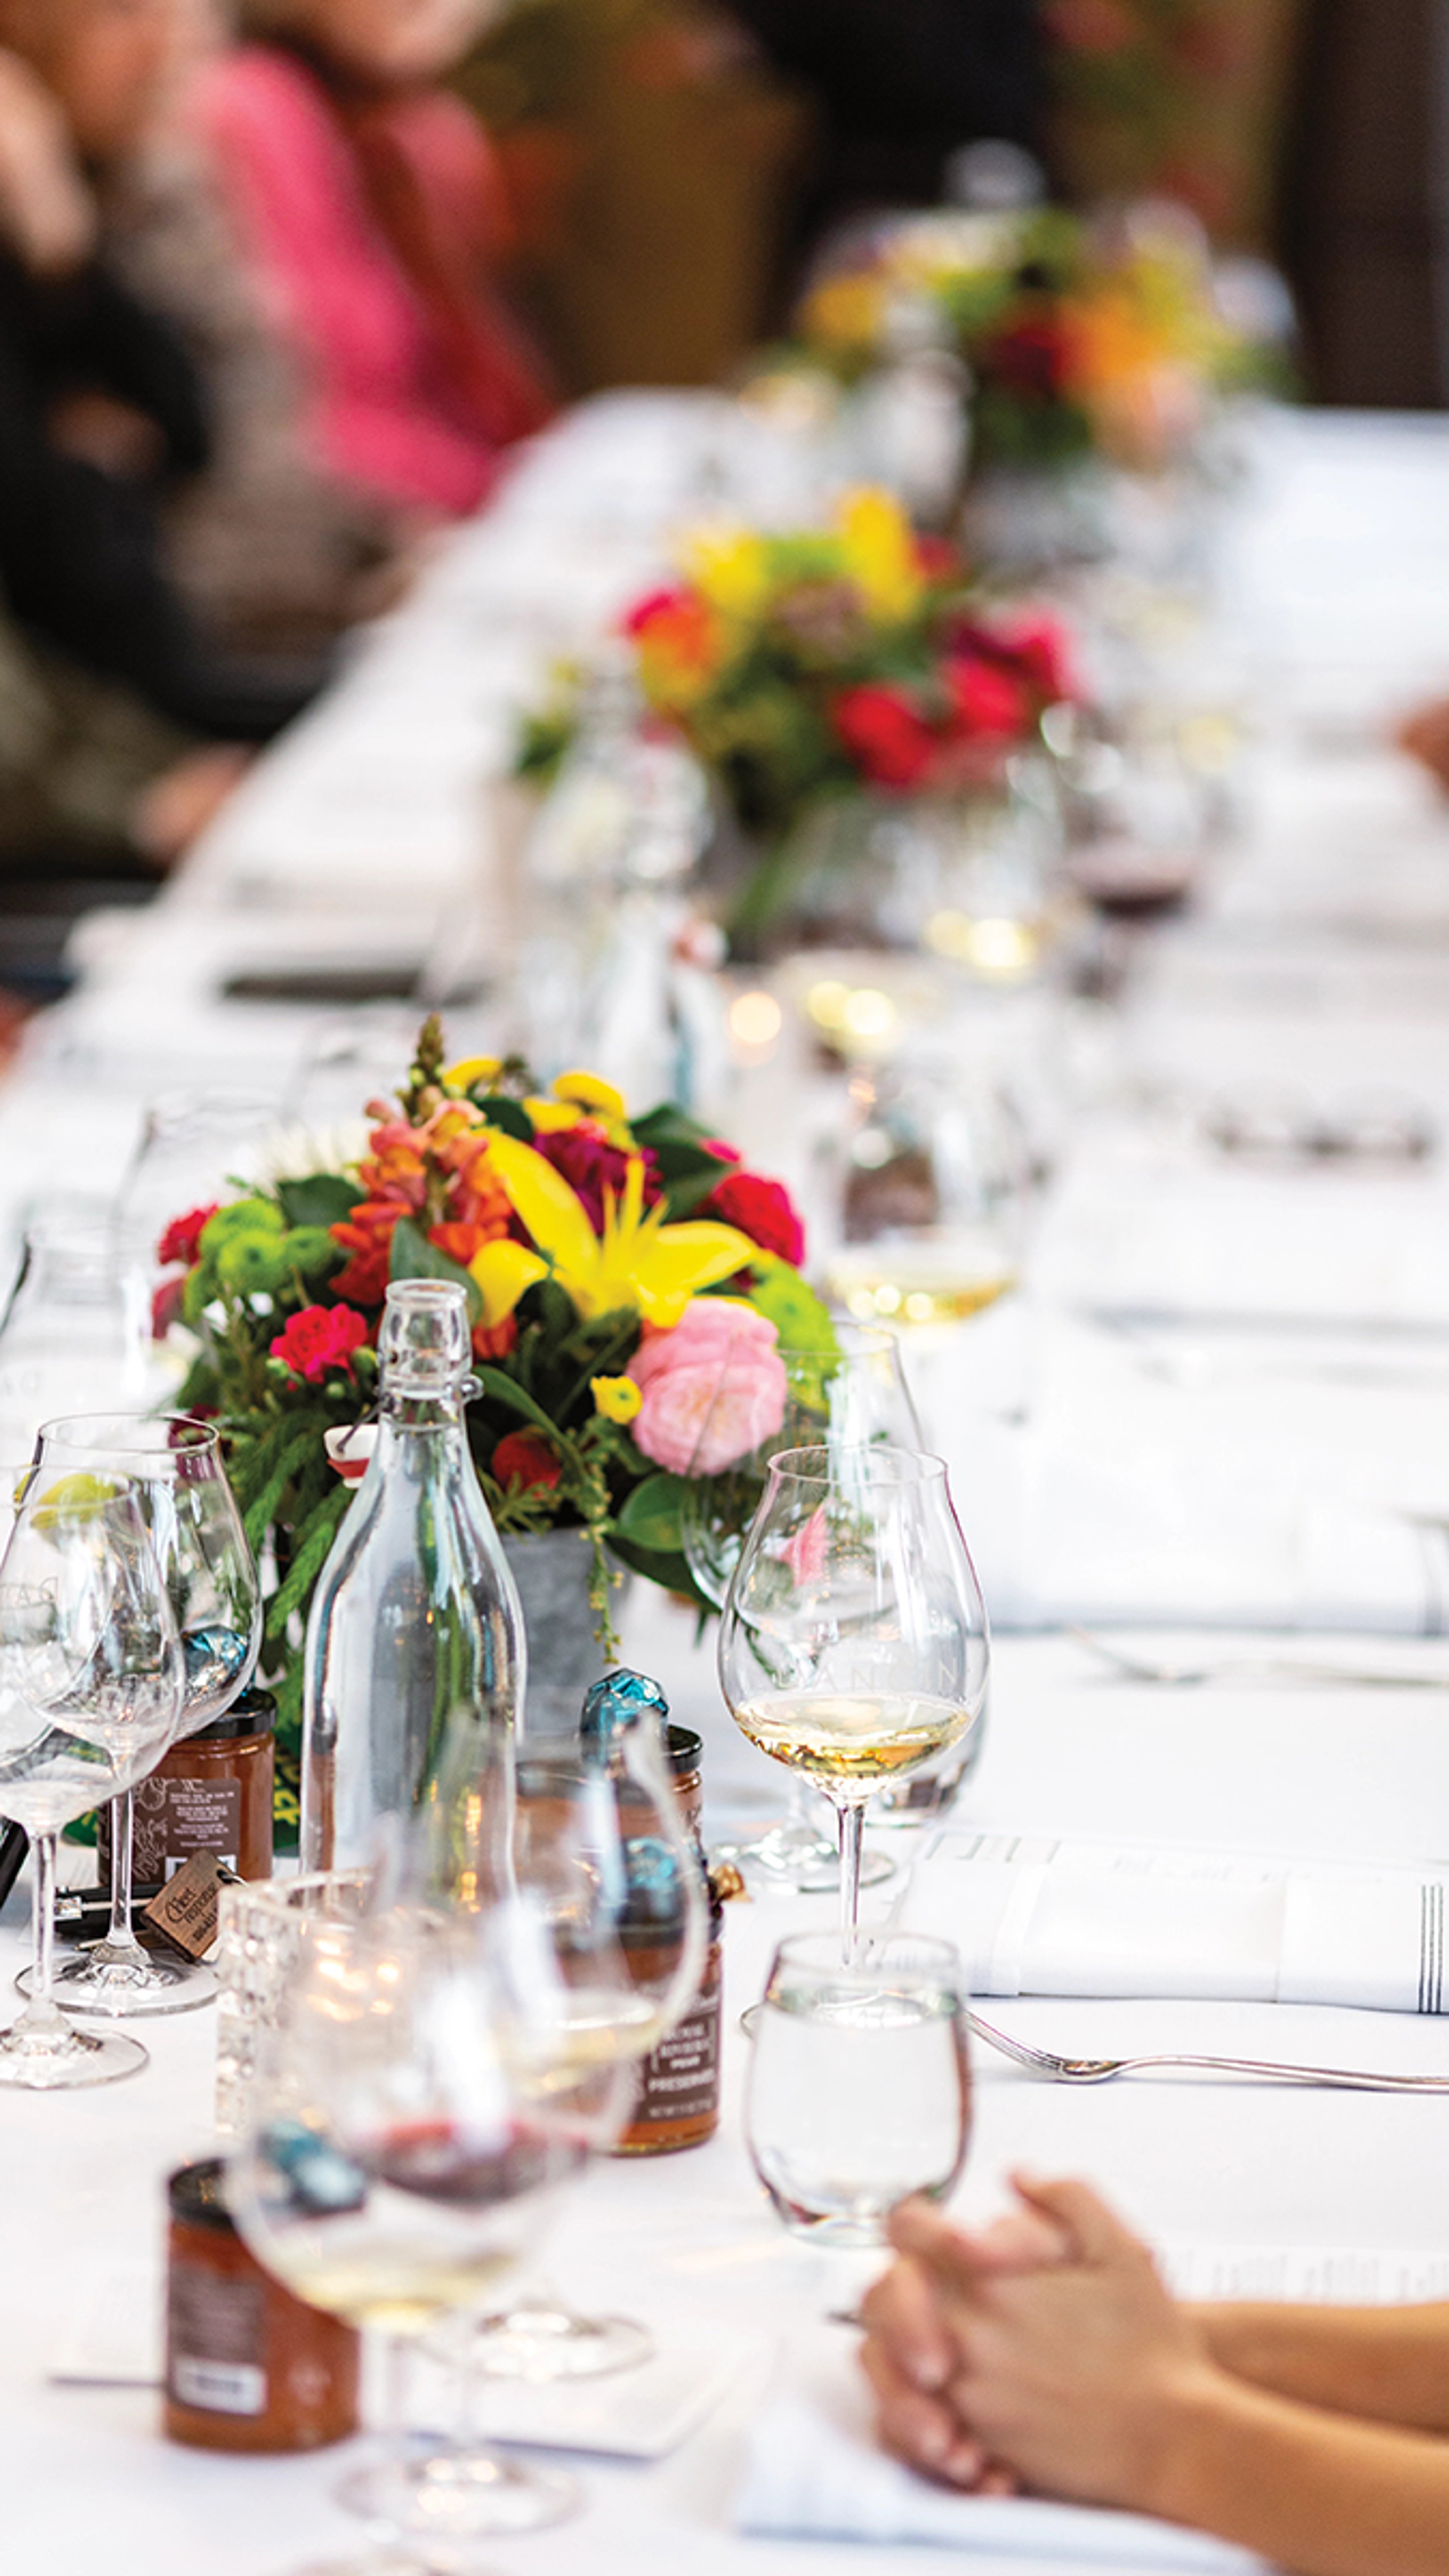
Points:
x=527 y=1456
x=182 y=1238
x=1030 y=358
x=319 y=1339
x=986 y=699
x=1042 y=651
x=654 y=604
x=884 y=734
x=761 y=1209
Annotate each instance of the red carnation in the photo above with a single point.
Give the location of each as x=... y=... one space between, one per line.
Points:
x=884 y=734
x=1041 y=648
x=986 y=699
x=182 y=1238
x=319 y=1339
x=761 y=1209
x=527 y=1456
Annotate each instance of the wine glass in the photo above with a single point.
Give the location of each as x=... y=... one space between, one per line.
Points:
x=603 y=1925
x=859 y=2089
x=63 y=1336
x=173 y=1465
x=193 y=1146
x=850 y=1391
x=91 y=1679
x=398 y=2166
x=853 y=1646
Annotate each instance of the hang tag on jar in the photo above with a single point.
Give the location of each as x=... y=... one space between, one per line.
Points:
x=185 y=1913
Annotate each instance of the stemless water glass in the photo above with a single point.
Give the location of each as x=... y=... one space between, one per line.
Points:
x=849 y=1392
x=853 y=1646
x=63 y=1337
x=173 y=1466
x=397 y=2170
x=859 y=2089
x=195 y=1147
x=90 y=1691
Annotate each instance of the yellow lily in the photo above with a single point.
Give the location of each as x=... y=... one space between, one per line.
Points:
x=640 y=1261
x=879 y=553
x=500 y=1272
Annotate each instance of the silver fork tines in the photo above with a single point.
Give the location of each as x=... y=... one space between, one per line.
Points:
x=1100 y=2070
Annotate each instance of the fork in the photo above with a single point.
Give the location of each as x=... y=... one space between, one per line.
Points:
x=1146 y=1668
x=1100 y=2070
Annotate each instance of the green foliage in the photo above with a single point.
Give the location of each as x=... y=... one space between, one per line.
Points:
x=322 y=1199
x=413 y=1257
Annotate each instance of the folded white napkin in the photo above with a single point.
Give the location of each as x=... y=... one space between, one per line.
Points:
x=813 y=2472
x=1099 y=1919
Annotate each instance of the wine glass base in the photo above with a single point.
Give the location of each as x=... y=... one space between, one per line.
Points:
x=797 y=1858
x=64 y=2060
x=544 y=2344
x=123 y=1992
x=446 y=2496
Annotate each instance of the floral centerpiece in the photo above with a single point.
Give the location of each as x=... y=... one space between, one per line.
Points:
x=814 y=666
x=631 y=1286
x=1083 y=337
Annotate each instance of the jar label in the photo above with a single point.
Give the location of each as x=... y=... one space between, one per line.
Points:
x=214 y=2331
x=175 y=1818
x=680 y=2080
x=219 y=2387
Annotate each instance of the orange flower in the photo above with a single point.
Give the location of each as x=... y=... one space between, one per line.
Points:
x=681 y=646
x=367 y=1235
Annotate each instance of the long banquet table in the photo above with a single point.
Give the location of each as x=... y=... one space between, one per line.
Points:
x=1318 y=960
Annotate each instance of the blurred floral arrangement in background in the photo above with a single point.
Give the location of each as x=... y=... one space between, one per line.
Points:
x=825 y=662
x=1083 y=336
x=631 y=1286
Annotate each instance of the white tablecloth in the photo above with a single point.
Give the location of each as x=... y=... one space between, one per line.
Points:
x=1168 y=1470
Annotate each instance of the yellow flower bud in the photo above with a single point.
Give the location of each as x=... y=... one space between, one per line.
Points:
x=617 y=1398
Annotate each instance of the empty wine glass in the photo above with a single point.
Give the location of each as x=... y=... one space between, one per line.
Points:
x=602 y=1928
x=193 y=1147
x=91 y=1680
x=399 y=2166
x=859 y=2089
x=173 y=1466
x=63 y=1336
x=846 y=1393
x=853 y=1646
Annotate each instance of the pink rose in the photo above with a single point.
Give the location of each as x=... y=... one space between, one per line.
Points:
x=714 y=1388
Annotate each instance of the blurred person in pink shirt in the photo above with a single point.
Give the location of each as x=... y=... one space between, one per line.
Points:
x=371 y=207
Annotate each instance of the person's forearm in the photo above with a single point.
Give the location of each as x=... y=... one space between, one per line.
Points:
x=1305 y=2489
x=1388 y=2363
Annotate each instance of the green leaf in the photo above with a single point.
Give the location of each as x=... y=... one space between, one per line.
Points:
x=314 y=1546
x=413 y=1257
x=508 y=1116
x=506 y=1390
x=324 y=1198
x=294 y=1455
x=670 y=1572
x=651 y=1516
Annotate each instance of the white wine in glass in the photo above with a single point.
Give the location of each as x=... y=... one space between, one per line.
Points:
x=853 y=1646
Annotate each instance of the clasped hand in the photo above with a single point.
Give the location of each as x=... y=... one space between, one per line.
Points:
x=1044 y=2352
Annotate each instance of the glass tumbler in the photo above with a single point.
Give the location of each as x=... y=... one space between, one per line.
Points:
x=859 y=2090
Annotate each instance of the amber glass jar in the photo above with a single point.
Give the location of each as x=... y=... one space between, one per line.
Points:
x=686 y=1753
x=212 y=1792
x=676 y=2102
x=248 y=2367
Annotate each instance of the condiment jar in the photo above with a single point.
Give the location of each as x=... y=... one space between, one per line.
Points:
x=248 y=2367
x=676 y=2100
x=212 y=1792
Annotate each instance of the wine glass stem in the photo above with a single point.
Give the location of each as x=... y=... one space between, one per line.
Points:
x=851 y=1817
x=120 y=1942
x=42 y=2012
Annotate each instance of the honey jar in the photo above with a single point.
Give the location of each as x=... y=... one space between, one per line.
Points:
x=248 y=2366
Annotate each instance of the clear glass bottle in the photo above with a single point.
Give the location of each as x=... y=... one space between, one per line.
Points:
x=415 y=1654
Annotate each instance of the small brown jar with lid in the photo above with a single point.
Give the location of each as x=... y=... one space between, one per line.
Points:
x=248 y=2367
x=212 y=1792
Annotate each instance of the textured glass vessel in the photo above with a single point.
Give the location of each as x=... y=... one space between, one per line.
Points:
x=414 y=1668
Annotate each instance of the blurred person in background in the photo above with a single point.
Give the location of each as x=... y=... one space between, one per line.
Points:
x=370 y=206
x=101 y=414
x=898 y=86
